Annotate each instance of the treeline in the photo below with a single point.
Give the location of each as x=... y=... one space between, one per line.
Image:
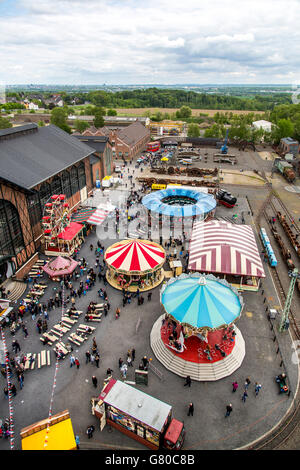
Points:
x=169 y=98
x=165 y=98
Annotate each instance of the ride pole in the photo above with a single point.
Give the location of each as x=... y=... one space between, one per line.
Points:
x=284 y=323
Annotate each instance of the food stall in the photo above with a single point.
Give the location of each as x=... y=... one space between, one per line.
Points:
x=139 y=415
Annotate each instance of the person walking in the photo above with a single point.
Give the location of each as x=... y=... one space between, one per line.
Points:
x=77 y=440
x=228 y=410
x=5 y=391
x=77 y=363
x=95 y=381
x=191 y=410
x=72 y=360
x=188 y=381
x=247 y=383
x=118 y=313
x=88 y=356
x=149 y=296
x=90 y=430
x=129 y=361
x=133 y=354
x=124 y=369
x=13 y=390
x=109 y=371
x=120 y=362
x=97 y=359
x=235 y=386
x=257 y=388
x=245 y=395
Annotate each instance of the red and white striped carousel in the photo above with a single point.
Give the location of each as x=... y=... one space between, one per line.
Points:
x=135 y=264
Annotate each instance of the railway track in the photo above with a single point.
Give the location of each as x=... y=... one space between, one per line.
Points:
x=290 y=425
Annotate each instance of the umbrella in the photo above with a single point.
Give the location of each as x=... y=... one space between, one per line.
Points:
x=201 y=301
x=60 y=266
x=164 y=159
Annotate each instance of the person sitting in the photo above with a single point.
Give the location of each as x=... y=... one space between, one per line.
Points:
x=217 y=347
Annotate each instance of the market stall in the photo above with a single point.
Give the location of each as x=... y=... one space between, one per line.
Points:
x=60 y=266
x=134 y=264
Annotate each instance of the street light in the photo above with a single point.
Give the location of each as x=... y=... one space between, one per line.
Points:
x=284 y=323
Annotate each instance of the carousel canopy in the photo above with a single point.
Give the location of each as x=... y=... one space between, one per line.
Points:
x=60 y=266
x=135 y=255
x=199 y=203
x=201 y=301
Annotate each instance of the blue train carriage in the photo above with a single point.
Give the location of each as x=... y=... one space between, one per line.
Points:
x=268 y=247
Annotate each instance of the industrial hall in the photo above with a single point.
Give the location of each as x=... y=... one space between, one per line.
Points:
x=35 y=163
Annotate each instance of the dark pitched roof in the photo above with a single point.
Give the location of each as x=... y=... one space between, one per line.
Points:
x=132 y=134
x=97 y=142
x=27 y=159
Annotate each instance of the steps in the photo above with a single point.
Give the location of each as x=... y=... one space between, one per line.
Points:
x=200 y=372
x=16 y=288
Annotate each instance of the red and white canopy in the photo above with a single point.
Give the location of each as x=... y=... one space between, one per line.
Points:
x=222 y=247
x=135 y=255
x=97 y=217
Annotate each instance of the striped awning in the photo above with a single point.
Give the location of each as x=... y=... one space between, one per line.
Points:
x=82 y=215
x=97 y=217
x=225 y=248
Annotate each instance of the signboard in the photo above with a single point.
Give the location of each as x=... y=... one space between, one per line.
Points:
x=83 y=194
x=103 y=421
x=141 y=377
x=158 y=186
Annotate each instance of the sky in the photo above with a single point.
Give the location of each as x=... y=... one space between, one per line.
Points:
x=144 y=42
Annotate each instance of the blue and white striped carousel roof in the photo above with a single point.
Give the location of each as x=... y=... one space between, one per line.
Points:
x=204 y=203
x=202 y=301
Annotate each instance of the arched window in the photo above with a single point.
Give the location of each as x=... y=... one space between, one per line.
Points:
x=11 y=237
x=45 y=193
x=81 y=176
x=66 y=184
x=56 y=185
x=74 y=179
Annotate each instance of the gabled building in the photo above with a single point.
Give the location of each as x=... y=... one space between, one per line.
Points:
x=35 y=163
x=102 y=159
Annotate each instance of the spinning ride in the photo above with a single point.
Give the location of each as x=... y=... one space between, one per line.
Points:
x=197 y=335
x=134 y=264
x=61 y=236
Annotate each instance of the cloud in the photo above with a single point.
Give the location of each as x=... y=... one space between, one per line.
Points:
x=137 y=41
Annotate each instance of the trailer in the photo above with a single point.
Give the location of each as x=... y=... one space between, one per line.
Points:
x=220 y=158
x=138 y=415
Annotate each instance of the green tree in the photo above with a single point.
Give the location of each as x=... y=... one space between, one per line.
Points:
x=184 y=112
x=98 y=119
x=193 y=130
x=111 y=112
x=4 y=123
x=41 y=124
x=284 y=128
x=80 y=125
x=59 y=119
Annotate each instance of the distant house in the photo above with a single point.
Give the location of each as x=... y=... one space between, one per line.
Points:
x=55 y=100
x=33 y=106
x=289 y=145
x=262 y=124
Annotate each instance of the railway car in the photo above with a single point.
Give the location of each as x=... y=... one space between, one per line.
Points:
x=225 y=198
x=268 y=247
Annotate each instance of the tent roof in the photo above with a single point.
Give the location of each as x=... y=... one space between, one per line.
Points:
x=222 y=247
x=201 y=301
x=135 y=255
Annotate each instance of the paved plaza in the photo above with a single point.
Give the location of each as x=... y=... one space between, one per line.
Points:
x=208 y=428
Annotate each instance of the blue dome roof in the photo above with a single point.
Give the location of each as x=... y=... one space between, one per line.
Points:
x=203 y=204
x=201 y=301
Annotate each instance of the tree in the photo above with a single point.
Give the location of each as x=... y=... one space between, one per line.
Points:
x=184 y=112
x=284 y=128
x=59 y=119
x=98 y=119
x=111 y=112
x=80 y=125
x=4 y=123
x=193 y=130
x=41 y=124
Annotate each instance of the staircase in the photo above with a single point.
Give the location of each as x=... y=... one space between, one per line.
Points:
x=16 y=288
x=200 y=372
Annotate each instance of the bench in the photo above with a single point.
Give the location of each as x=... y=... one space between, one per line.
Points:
x=77 y=338
x=33 y=364
x=43 y=358
x=83 y=328
x=48 y=358
x=61 y=328
x=62 y=347
x=69 y=321
x=72 y=340
x=26 y=365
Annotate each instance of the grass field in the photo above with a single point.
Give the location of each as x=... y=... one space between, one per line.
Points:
x=195 y=112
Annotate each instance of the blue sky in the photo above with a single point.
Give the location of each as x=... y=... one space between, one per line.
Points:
x=137 y=41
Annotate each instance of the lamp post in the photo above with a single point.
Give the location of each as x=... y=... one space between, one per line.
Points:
x=284 y=323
